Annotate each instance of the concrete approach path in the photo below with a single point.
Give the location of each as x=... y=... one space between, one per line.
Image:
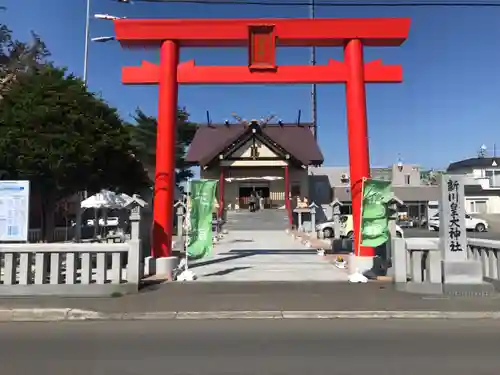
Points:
x=264 y=255
x=257 y=248
x=249 y=347
x=261 y=220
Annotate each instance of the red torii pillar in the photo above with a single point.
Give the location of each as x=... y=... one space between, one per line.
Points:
x=357 y=134
x=262 y=36
x=163 y=212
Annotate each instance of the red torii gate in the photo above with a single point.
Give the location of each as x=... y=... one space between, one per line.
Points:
x=261 y=36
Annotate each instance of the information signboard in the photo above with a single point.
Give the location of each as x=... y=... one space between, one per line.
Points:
x=14 y=211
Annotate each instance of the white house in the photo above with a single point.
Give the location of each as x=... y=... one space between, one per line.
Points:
x=482 y=186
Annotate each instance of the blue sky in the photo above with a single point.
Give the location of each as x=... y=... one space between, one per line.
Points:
x=447 y=107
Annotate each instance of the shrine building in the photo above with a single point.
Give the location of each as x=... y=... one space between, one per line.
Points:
x=269 y=159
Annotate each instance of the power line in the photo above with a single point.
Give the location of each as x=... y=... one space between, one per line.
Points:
x=393 y=3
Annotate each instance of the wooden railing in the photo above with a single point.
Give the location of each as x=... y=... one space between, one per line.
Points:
x=70 y=269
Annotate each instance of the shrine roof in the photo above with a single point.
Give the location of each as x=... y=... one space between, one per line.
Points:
x=298 y=140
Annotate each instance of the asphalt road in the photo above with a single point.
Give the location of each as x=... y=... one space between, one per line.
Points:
x=234 y=347
x=418 y=232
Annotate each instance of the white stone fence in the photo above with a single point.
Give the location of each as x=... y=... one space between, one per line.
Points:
x=71 y=269
x=418 y=263
x=488 y=253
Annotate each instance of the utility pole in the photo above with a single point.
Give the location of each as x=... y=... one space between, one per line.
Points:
x=87 y=40
x=314 y=103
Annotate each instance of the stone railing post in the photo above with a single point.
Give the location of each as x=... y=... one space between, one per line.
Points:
x=300 y=227
x=312 y=207
x=135 y=262
x=135 y=218
x=180 y=224
x=399 y=262
x=392 y=208
x=135 y=266
x=417 y=265
x=180 y=220
x=337 y=225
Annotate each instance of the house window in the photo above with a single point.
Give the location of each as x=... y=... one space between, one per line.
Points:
x=494 y=176
x=477 y=206
x=407 y=179
x=346 y=208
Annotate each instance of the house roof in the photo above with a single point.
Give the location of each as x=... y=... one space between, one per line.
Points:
x=473 y=163
x=298 y=140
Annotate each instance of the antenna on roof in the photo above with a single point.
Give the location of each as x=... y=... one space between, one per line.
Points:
x=482 y=152
x=265 y=121
x=239 y=119
x=298 y=117
x=209 y=120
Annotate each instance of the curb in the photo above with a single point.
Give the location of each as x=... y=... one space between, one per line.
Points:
x=58 y=315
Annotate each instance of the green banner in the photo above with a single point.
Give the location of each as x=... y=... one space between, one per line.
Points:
x=201 y=206
x=374 y=215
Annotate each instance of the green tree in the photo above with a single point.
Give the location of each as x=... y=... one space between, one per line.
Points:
x=430 y=177
x=144 y=139
x=63 y=139
x=17 y=58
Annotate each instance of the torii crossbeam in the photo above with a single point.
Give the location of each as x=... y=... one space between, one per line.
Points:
x=262 y=37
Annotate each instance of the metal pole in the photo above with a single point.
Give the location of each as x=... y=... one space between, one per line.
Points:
x=314 y=104
x=83 y=195
x=87 y=38
x=86 y=57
